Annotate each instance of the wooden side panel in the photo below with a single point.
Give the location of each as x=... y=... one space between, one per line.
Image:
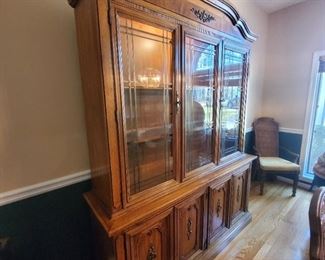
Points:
x=86 y=17
x=239 y=192
x=152 y=240
x=190 y=227
x=218 y=209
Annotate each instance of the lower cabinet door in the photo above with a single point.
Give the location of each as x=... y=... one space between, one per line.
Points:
x=190 y=226
x=240 y=189
x=152 y=240
x=218 y=209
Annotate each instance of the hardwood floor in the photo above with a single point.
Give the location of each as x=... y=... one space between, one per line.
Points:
x=279 y=229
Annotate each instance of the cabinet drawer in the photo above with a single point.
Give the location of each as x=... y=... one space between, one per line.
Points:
x=190 y=226
x=152 y=240
x=239 y=195
x=218 y=208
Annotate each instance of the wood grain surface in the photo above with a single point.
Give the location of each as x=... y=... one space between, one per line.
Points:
x=279 y=227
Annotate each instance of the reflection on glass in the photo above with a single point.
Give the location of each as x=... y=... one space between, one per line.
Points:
x=230 y=101
x=199 y=97
x=146 y=53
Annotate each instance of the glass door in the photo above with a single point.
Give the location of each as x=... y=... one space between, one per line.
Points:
x=316 y=143
x=200 y=91
x=231 y=109
x=146 y=54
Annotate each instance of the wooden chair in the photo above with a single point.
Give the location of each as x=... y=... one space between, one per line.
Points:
x=317 y=225
x=267 y=148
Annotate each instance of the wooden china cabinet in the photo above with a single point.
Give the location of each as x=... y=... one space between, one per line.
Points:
x=165 y=93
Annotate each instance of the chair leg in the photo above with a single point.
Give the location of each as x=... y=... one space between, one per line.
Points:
x=295 y=184
x=262 y=182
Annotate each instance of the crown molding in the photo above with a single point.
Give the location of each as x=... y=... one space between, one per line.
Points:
x=225 y=8
x=42 y=187
x=234 y=17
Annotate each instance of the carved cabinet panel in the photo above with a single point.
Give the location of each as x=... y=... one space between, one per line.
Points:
x=152 y=240
x=190 y=227
x=218 y=209
x=239 y=193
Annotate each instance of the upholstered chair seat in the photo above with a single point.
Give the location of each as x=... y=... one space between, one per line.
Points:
x=278 y=164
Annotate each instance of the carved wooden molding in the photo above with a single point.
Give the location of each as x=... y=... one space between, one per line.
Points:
x=152 y=254
x=222 y=6
x=235 y=18
x=219 y=208
x=189 y=228
x=202 y=15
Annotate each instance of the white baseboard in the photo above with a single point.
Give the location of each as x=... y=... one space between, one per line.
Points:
x=302 y=185
x=42 y=187
x=291 y=130
x=281 y=129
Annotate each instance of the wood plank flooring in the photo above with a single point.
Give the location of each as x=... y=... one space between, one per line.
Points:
x=279 y=229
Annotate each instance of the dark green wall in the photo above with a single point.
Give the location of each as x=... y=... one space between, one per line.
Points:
x=249 y=142
x=288 y=140
x=55 y=225
x=291 y=141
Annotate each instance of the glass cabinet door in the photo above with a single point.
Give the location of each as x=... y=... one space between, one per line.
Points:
x=146 y=54
x=200 y=60
x=231 y=99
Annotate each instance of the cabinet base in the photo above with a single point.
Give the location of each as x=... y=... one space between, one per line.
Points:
x=216 y=247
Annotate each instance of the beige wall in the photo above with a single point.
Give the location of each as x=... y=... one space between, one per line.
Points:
x=257 y=20
x=42 y=128
x=294 y=34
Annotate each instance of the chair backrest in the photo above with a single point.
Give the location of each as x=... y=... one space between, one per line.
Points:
x=317 y=224
x=266 y=136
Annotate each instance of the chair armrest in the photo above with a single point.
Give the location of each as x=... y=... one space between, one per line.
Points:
x=293 y=157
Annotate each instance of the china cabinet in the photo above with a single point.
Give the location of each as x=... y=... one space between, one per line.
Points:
x=164 y=86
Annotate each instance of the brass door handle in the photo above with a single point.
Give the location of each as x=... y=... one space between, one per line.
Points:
x=178 y=102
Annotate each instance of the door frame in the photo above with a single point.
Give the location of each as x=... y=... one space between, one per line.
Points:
x=310 y=112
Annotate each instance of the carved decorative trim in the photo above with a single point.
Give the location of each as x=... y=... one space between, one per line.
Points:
x=235 y=18
x=73 y=3
x=152 y=254
x=202 y=15
x=189 y=228
x=221 y=5
x=238 y=193
x=219 y=208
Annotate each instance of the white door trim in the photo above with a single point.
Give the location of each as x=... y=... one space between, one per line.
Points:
x=310 y=110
